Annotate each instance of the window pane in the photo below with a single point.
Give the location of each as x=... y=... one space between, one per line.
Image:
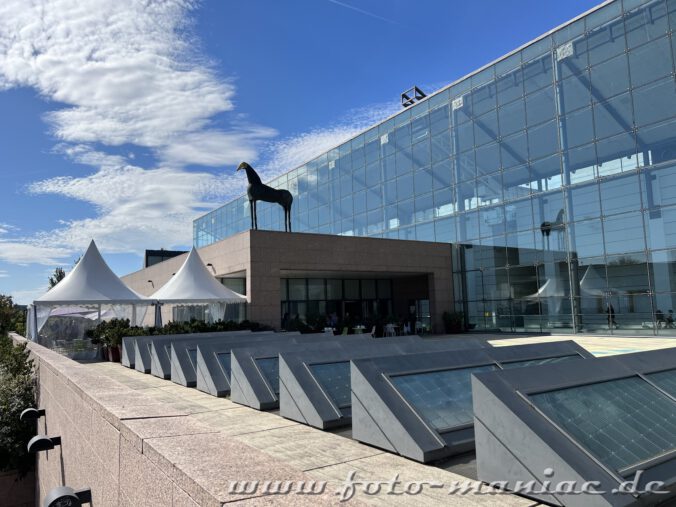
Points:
x=512 y=118
x=368 y=289
x=613 y=116
x=514 y=150
x=655 y=102
x=610 y=78
x=297 y=289
x=334 y=289
x=351 y=289
x=540 y=107
x=316 y=288
x=585 y=202
x=575 y=92
x=619 y=195
x=650 y=62
x=624 y=233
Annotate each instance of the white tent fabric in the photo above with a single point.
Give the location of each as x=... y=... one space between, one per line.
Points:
x=550 y=289
x=193 y=284
x=92 y=284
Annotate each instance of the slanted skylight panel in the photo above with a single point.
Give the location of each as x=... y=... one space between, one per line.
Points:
x=442 y=398
x=623 y=423
x=665 y=380
x=269 y=366
x=334 y=378
x=543 y=360
x=224 y=362
x=192 y=354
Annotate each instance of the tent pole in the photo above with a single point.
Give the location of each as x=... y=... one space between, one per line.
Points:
x=35 y=322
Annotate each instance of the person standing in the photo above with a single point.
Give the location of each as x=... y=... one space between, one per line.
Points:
x=611 y=316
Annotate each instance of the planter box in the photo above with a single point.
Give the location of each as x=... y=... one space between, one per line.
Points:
x=17 y=493
x=114 y=354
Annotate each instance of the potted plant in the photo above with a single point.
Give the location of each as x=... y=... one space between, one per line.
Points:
x=454 y=322
x=109 y=334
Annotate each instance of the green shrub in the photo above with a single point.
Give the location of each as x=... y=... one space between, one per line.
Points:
x=17 y=392
x=12 y=317
x=110 y=333
x=454 y=322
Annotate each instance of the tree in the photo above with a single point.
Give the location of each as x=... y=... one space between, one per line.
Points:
x=6 y=314
x=12 y=317
x=17 y=392
x=59 y=274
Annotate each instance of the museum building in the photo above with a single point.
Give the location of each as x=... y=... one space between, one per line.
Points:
x=547 y=176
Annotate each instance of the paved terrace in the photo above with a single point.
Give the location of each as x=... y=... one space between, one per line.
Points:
x=139 y=440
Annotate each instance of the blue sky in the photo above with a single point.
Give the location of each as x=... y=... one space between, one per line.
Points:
x=124 y=120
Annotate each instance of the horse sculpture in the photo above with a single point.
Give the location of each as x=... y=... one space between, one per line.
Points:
x=547 y=227
x=257 y=191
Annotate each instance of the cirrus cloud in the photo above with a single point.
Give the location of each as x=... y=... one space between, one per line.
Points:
x=129 y=73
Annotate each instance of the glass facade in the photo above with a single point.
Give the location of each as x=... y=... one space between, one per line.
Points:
x=311 y=299
x=552 y=172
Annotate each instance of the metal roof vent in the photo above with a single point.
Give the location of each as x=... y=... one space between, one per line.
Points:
x=411 y=96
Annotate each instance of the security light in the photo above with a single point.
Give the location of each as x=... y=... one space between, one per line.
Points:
x=41 y=443
x=31 y=414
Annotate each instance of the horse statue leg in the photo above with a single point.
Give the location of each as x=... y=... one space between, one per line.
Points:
x=255 y=215
x=251 y=212
x=287 y=218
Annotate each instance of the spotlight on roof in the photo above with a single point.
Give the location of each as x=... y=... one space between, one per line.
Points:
x=411 y=96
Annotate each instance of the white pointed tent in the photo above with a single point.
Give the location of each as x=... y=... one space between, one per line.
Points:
x=90 y=287
x=193 y=285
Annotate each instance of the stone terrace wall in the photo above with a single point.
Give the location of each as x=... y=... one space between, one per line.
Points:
x=131 y=450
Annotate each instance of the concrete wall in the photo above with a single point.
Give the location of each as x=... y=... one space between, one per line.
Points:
x=130 y=449
x=266 y=255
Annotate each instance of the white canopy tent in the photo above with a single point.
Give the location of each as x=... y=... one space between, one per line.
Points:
x=193 y=285
x=90 y=292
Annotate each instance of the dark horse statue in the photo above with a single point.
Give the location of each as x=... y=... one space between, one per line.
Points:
x=547 y=227
x=257 y=191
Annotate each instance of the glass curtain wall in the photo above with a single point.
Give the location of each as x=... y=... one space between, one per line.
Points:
x=552 y=171
x=315 y=300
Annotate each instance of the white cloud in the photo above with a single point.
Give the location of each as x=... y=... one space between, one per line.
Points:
x=288 y=153
x=31 y=251
x=5 y=228
x=3 y=273
x=126 y=72
x=25 y=297
x=137 y=208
